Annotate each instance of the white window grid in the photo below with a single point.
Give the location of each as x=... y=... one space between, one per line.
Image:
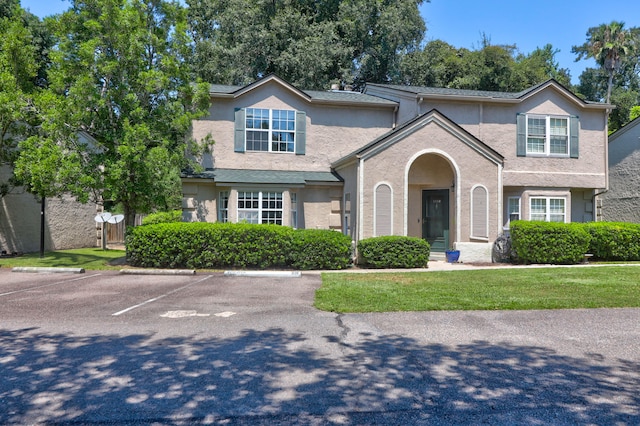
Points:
x=547 y=135
x=548 y=209
x=294 y=210
x=223 y=209
x=260 y=207
x=270 y=130
x=513 y=208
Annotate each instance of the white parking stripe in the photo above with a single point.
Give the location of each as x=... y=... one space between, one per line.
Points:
x=48 y=285
x=158 y=298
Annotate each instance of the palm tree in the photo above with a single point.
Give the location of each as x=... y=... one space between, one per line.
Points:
x=609 y=44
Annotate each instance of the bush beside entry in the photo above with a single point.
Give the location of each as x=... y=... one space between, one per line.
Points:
x=393 y=252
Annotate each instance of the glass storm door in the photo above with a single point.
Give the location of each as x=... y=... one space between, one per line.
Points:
x=435 y=218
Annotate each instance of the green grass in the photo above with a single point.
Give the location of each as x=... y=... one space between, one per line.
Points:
x=504 y=289
x=87 y=258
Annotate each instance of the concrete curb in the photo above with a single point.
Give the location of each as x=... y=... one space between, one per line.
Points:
x=158 y=271
x=269 y=274
x=48 y=270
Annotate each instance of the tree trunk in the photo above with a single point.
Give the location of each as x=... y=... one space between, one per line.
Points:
x=609 y=86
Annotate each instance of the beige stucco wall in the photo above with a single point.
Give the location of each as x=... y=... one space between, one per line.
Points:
x=438 y=157
x=622 y=201
x=68 y=224
x=331 y=131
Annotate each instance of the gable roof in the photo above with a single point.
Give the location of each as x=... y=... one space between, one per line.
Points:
x=624 y=129
x=414 y=125
x=343 y=97
x=489 y=96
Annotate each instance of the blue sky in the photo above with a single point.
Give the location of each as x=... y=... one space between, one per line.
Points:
x=461 y=23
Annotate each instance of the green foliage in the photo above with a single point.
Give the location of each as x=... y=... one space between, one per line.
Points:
x=320 y=249
x=549 y=242
x=310 y=44
x=614 y=240
x=234 y=245
x=634 y=112
x=163 y=217
x=393 y=252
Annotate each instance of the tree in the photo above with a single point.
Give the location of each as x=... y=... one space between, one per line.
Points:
x=610 y=45
x=120 y=104
x=309 y=43
x=23 y=62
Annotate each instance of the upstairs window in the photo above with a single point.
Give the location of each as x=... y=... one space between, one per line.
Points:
x=546 y=135
x=269 y=130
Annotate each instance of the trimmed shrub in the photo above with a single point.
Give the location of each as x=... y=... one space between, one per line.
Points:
x=393 y=252
x=320 y=249
x=614 y=240
x=163 y=217
x=235 y=245
x=549 y=242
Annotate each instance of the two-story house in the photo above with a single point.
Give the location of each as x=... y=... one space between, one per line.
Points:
x=451 y=166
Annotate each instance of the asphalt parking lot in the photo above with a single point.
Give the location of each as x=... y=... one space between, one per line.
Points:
x=105 y=348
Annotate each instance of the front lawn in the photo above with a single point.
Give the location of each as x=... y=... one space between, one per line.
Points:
x=87 y=258
x=491 y=289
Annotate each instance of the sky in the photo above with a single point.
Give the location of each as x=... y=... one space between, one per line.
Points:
x=528 y=25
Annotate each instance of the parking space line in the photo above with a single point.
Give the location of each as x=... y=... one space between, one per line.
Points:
x=131 y=308
x=48 y=285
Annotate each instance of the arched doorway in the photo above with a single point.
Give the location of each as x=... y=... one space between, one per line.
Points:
x=431 y=182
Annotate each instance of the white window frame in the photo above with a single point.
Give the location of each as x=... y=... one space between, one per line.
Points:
x=548 y=135
x=294 y=210
x=272 y=128
x=255 y=213
x=548 y=201
x=511 y=212
x=223 y=206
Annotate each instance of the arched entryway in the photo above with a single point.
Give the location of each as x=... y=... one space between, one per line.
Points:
x=431 y=201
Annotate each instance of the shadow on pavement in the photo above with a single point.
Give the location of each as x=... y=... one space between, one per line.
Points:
x=267 y=377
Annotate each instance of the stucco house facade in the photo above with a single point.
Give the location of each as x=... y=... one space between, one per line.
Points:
x=451 y=166
x=621 y=203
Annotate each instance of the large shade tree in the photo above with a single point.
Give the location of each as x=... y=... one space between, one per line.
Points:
x=120 y=104
x=310 y=43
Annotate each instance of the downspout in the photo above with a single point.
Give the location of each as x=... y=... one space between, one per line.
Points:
x=594 y=198
x=395 y=117
x=360 y=199
x=420 y=99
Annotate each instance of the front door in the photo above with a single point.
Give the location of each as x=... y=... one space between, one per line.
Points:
x=435 y=218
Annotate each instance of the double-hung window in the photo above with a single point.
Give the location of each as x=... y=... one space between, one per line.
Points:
x=223 y=207
x=514 y=208
x=260 y=207
x=272 y=130
x=547 y=209
x=547 y=135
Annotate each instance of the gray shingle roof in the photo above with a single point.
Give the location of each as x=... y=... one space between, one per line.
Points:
x=283 y=177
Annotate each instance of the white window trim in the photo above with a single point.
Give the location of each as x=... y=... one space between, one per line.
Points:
x=486 y=224
x=547 y=143
x=519 y=199
x=375 y=207
x=548 y=209
x=269 y=131
x=260 y=209
x=221 y=208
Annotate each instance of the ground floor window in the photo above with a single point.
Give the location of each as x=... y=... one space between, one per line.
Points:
x=223 y=210
x=294 y=210
x=548 y=209
x=514 y=208
x=260 y=207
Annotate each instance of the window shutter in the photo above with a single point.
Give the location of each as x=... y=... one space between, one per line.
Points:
x=574 y=129
x=383 y=210
x=521 y=144
x=479 y=216
x=238 y=141
x=301 y=127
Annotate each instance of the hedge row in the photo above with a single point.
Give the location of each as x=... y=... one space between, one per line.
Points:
x=393 y=252
x=233 y=245
x=567 y=243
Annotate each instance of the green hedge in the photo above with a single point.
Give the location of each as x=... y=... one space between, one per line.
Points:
x=614 y=240
x=163 y=217
x=235 y=245
x=549 y=242
x=393 y=252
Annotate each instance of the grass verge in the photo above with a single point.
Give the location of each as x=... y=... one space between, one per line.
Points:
x=87 y=258
x=503 y=289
